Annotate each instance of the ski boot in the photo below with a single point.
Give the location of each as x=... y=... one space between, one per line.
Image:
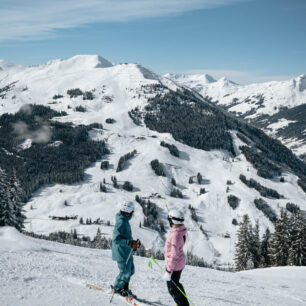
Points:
x=121 y=291
x=130 y=293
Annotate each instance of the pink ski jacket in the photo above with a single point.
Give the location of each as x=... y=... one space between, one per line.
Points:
x=174 y=255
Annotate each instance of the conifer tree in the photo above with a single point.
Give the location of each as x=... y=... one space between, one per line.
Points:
x=3 y=180
x=199 y=178
x=255 y=244
x=297 y=251
x=75 y=234
x=102 y=188
x=173 y=181
x=280 y=242
x=7 y=217
x=202 y=190
x=264 y=249
x=243 y=255
x=12 y=207
x=98 y=239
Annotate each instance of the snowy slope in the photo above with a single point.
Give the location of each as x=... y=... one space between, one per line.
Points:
x=213 y=211
x=255 y=102
x=37 y=272
x=117 y=89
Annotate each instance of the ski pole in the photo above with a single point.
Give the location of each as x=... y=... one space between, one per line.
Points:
x=161 y=268
x=121 y=273
x=164 y=198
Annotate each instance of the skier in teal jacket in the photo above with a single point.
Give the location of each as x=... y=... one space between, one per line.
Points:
x=122 y=247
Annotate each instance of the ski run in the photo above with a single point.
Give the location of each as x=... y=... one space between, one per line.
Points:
x=37 y=272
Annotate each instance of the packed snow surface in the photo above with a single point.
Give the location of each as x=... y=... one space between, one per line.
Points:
x=37 y=272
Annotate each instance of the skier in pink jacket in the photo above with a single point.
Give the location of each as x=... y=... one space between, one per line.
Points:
x=175 y=257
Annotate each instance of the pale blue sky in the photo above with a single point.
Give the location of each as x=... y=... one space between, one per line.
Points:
x=245 y=40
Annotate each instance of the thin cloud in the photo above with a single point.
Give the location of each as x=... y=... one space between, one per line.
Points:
x=240 y=77
x=42 y=134
x=39 y=19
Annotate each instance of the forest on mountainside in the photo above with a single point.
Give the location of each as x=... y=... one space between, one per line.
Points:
x=44 y=151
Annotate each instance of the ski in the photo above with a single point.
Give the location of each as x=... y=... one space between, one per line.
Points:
x=129 y=300
x=142 y=301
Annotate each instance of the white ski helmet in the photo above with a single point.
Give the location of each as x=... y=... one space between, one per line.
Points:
x=127 y=207
x=176 y=216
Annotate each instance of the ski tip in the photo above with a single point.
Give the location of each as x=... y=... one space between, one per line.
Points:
x=130 y=300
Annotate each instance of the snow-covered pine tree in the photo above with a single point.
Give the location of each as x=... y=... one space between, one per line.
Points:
x=3 y=181
x=12 y=213
x=97 y=239
x=280 y=242
x=297 y=251
x=243 y=255
x=264 y=250
x=255 y=244
x=74 y=234
x=7 y=215
x=293 y=235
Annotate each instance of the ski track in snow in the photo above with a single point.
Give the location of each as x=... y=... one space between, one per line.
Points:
x=49 y=273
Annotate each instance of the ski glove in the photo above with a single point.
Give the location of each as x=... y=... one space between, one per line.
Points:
x=135 y=244
x=167 y=276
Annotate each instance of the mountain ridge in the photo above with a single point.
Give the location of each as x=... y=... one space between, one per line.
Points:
x=259 y=104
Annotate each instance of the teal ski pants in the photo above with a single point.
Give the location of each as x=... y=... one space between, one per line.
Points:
x=125 y=274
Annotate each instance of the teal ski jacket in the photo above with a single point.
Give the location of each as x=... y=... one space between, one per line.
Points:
x=122 y=236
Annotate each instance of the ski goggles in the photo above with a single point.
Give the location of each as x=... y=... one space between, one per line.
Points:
x=176 y=219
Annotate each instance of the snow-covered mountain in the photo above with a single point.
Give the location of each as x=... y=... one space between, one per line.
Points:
x=142 y=104
x=37 y=272
x=277 y=107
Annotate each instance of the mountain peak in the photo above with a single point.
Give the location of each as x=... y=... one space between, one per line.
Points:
x=226 y=82
x=80 y=62
x=203 y=78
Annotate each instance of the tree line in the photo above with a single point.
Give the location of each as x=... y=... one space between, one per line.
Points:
x=61 y=158
x=286 y=246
